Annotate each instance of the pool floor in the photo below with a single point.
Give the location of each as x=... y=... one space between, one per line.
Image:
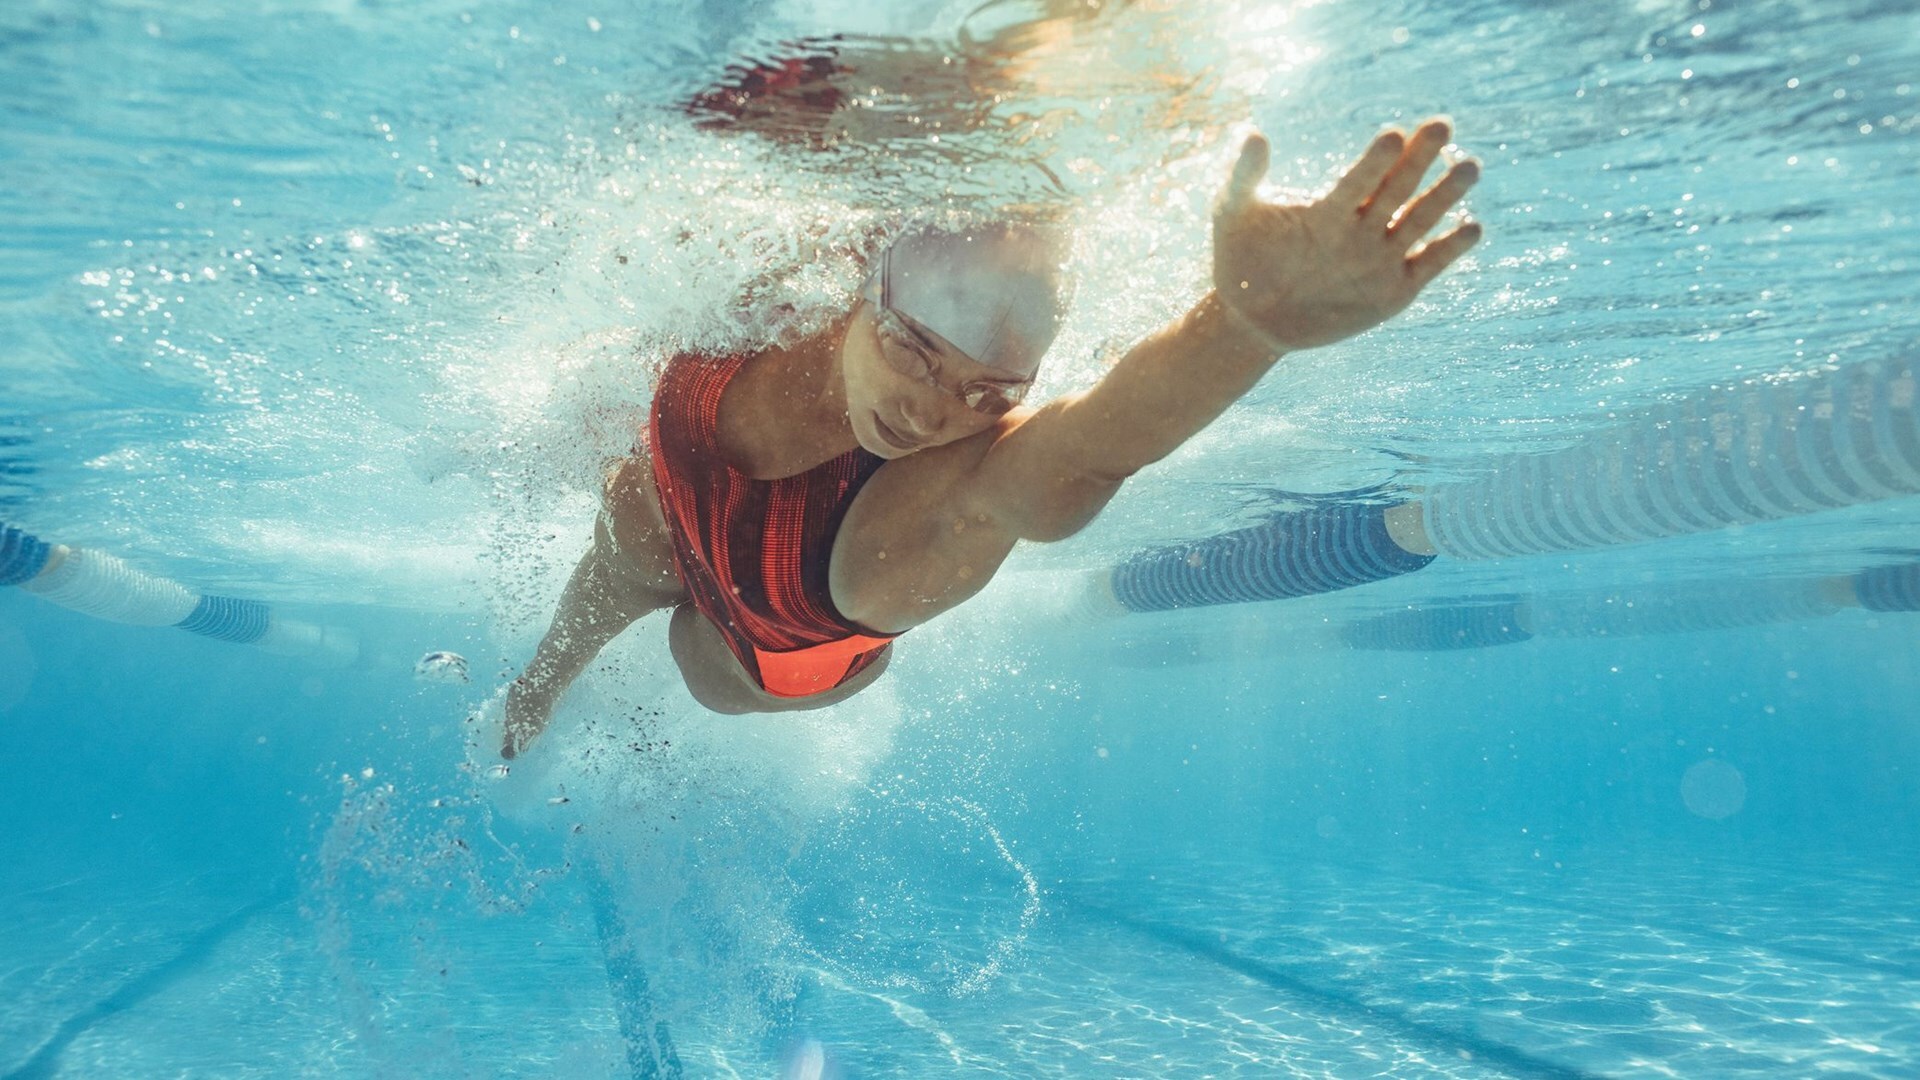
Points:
x=1647 y=962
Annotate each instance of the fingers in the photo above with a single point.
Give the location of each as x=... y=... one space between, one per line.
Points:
x=1247 y=174
x=1404 y=177
x=1364 y=177
x=1437 y=255
x=1426 y=211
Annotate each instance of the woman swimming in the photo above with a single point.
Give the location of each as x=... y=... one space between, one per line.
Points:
x=800 y=506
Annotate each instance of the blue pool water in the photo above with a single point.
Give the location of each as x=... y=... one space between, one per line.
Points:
x=342 y=307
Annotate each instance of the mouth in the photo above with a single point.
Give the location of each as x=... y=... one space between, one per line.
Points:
x=891 y=437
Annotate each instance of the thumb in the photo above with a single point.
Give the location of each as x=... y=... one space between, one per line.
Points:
x=1247 y=173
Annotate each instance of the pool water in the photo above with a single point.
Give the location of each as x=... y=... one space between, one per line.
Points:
x=344 y=307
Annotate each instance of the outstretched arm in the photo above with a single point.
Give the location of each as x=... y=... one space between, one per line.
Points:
x=601 y=599
x=1285 y=277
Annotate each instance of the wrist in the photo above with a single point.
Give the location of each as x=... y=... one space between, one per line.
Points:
x=1236 y=331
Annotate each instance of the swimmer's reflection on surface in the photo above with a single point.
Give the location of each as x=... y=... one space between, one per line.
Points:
x=800 y=505
x=833 y=90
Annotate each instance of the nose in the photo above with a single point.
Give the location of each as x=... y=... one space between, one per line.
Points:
x=923 y=420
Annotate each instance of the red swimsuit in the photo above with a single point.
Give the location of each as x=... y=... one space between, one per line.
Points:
x=754 y=553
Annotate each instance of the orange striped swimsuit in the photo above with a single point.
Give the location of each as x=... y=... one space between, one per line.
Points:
x=754 y=554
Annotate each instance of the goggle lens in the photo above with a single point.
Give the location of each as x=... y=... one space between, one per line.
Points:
x=906 y=354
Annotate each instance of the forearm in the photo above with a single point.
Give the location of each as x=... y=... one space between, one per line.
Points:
x=1164 y=391
x=596 y=606
x=563 y=654
x=1047 y=475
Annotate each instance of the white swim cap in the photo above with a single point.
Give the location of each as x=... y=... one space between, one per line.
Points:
x=994 y=291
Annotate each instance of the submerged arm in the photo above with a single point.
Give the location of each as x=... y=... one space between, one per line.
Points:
x=601 y=599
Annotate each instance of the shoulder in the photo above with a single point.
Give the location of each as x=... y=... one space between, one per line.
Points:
x=699 y=372
x=687 y=391
x=697 y=413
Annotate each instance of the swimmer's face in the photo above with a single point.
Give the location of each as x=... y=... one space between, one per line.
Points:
x=910 y=389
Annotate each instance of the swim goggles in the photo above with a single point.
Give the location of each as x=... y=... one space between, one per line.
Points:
x=907 y=348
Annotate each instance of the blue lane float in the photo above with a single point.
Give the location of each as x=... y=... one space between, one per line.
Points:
x=106 y=587
x=1297 y=553
x=22 y=555
x=1889 y=588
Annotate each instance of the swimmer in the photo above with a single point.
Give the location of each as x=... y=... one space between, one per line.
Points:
x=799 y=506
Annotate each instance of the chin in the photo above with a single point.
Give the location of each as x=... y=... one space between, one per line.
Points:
x=882 y=449
x=875 y=441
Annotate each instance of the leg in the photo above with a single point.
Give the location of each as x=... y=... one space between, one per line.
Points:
x=626 y=573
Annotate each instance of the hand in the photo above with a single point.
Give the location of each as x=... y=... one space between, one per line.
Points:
x=527 y=716
x=1310 y=275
